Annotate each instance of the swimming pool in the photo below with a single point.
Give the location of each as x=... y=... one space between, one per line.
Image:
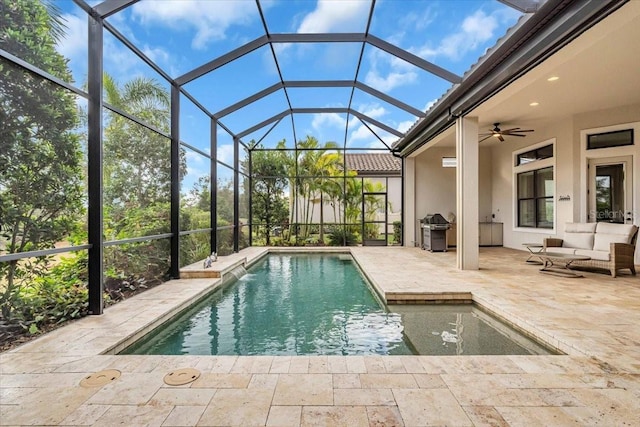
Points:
x=295 y=304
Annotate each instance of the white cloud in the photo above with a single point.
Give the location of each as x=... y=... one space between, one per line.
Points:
x=197 y=166
x=430 y=104
x=74 y=44
x=332 y=15
x=400 y=72
x=405 y=126
x=210 y=20
x=157 y=54
x=194 y=157
x=375 y=111
x=418 y=19
x=225 y=154
x=392 y=80
x=363 y=137
x=76 y=34
x=475 y=29
x=323 y=120
x=360 y=133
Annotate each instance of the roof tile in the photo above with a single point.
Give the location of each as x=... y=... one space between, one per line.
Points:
x=373 y=163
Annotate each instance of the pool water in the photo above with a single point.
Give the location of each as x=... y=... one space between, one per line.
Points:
x=286 y=305
x=320 y=304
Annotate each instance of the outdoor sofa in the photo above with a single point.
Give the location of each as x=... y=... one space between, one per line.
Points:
x=610 y=246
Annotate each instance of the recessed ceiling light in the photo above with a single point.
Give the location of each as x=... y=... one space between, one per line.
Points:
x=534 y=104
x=553 y=78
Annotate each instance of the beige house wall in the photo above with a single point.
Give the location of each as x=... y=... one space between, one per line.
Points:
x=569 y=179
x=435 y=186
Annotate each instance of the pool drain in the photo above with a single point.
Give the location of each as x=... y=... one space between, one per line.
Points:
x=100 y=378
x=181 y=376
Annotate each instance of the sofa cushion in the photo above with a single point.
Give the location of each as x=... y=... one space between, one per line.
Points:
x=579 y=235
x=578 y=240
x=555 y=250
x=597 y=255
x=581 y=227
x=608 y=232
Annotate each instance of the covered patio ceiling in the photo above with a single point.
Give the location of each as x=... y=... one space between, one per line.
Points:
x=273 y=103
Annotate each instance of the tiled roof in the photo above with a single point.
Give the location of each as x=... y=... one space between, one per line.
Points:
x=368 y=163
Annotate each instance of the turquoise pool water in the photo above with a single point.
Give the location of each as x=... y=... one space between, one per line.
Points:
x=290 y=304
x=286 y=305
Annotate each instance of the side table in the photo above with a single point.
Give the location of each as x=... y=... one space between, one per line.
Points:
x=535 y=251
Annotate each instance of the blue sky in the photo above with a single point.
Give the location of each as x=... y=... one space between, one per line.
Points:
x=184 y=34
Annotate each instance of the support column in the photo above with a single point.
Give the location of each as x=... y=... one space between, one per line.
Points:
x=213 y=186
x=250 y=195
x=410 y=236
x=175 y=182
x=94 y=167
x=236 y=194
x=467 y=193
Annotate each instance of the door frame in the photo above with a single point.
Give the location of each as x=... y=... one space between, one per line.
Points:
x=614 y=153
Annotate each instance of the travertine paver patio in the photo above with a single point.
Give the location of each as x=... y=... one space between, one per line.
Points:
x=594 y=320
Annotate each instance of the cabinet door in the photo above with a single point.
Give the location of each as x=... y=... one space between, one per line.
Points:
x=485 y=234
x=496 y=234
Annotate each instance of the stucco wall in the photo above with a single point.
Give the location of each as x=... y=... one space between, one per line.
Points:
x=503 y=183
x=435 y=190
x=568 y=169
x=435 y=186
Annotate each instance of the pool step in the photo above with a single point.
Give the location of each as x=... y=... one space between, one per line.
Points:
x=217 y=270
x=428 y=297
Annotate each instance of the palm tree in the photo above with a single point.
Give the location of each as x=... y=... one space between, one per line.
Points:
x=314 y=164
x=137 y=168
x=329 y=165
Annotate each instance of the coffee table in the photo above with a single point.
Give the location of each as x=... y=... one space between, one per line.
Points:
x=535 y=249
x=558 y=263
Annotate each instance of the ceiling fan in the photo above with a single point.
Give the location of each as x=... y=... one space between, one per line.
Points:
x=500 y=134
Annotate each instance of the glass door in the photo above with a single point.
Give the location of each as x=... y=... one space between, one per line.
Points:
x=610 y=190
x=374 y=219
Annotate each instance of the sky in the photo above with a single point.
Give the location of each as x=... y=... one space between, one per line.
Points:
x=181 y=35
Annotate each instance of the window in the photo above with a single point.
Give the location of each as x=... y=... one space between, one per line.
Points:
x=535 y=198
x=534 y=187
x=541 y=153
x=617 y=138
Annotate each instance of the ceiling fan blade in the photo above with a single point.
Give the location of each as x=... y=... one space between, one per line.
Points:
x=515 y=134
x=501 y=138
x=509 y=130
x=486 y=137
x=485 y=134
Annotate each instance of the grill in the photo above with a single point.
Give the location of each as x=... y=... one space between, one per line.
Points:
x=434 y=232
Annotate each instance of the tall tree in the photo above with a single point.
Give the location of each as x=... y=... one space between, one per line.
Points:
x=314 y=164
x=41 y=190
x=269 y=177
x=137 y=160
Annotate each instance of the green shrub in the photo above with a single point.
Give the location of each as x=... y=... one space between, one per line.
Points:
x=397 y=231
x=342 y=237
x=56 y=296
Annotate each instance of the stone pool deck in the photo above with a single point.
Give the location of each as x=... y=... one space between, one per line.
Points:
x=595 y=320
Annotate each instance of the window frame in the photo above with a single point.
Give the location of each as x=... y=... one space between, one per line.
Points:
x=611 y=132
x=534 y=166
